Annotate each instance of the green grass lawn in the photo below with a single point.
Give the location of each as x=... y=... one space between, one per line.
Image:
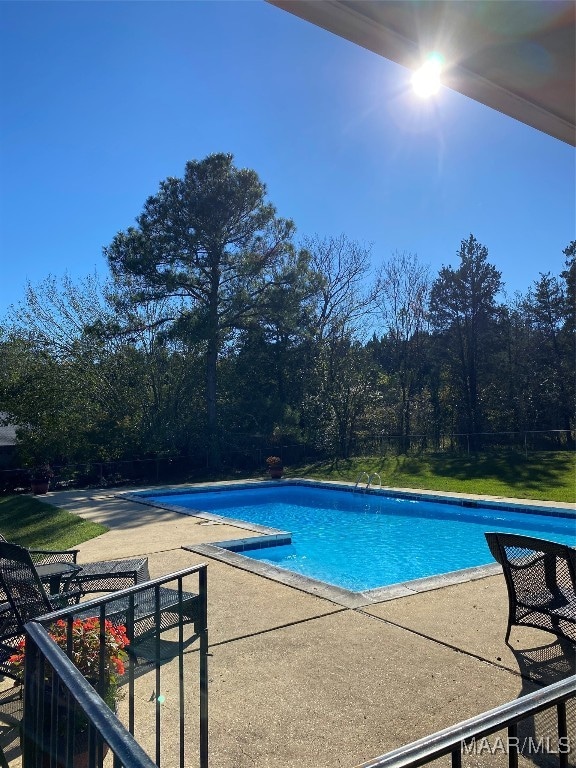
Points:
x=549 y=476
x=32 y=523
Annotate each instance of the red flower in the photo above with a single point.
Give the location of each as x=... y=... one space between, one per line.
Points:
x=85 y=652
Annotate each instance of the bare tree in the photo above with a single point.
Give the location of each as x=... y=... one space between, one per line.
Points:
x=343 y=301
x=403 y=291
x=338 y=372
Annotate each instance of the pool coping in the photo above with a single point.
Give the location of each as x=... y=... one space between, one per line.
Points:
x=229 y=551
x=343 y=597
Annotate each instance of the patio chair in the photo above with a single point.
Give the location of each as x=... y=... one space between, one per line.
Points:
x=40 y=557
x=25 y=598
x=98 y=576
x=29 y=600
x=541 y=581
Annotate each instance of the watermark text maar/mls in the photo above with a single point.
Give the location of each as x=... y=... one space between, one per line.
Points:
x=544 y=745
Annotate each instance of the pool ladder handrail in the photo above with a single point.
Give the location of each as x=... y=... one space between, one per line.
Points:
x=369 y=480
x=369 y=483
x=359 y=478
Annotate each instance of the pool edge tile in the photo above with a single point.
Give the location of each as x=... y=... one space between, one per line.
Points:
x=343 y=597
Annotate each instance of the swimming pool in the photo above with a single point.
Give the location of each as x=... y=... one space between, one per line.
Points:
x=359 y=541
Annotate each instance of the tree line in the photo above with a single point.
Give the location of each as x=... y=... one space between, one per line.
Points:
x=215 y=323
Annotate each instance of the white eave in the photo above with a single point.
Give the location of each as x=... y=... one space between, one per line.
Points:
x=515 y=56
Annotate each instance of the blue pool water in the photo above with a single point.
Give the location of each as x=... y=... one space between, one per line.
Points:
x=358 y=541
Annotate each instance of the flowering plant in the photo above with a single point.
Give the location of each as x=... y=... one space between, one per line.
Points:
x=274 y=461
x=86 y=652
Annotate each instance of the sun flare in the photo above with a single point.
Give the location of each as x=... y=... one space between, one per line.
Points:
x=426 y=80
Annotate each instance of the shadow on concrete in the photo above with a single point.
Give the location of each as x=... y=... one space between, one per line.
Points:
x=11 y=710
x=538 y=735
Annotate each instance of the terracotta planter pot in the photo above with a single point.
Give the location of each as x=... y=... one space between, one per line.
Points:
x=276 y=472
x=80 y=758
x=57 y=758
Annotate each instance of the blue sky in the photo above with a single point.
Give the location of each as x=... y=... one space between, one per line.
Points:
x=100 y=101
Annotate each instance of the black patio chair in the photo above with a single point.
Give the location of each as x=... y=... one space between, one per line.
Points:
x=149 y=611
x=25 y=598
x=39 y=557
x=541 y=581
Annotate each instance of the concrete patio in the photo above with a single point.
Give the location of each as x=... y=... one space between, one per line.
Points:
x=298 y=680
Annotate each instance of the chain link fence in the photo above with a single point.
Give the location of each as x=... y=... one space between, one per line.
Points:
x=245 y=455
x=464 y=442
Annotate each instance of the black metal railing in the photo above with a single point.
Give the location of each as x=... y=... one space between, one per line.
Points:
x=461 y=739
x=147 y=610
x=50 y=710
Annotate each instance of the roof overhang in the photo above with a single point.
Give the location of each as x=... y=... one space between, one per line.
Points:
x=516 y=56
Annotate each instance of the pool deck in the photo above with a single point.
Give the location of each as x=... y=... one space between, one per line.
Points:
x=297 y=679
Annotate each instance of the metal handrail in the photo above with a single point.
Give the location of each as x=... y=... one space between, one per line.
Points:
x=360 y=476
x=374 y=474
x=104 y=725
x=452 y=740
x=97 y=607
x=96 y=602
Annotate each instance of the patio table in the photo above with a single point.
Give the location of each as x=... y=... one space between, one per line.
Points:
x=55 y=574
